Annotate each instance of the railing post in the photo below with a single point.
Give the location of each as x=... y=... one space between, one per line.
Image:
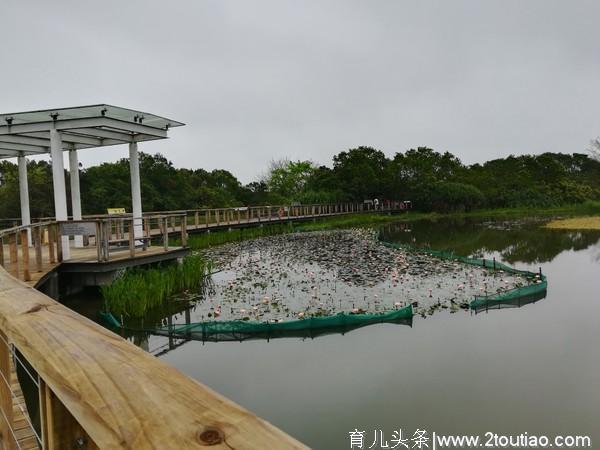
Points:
x=59 y=250
x=196 y=219
x=98 y=241
x=106 y=235
x=60 y=430
x=25 y=255
x=131 y=239
x=165 y=234
x=51 y=254
x=13 y=254
x=6 y=401
x=184 y=232
x=207 y=217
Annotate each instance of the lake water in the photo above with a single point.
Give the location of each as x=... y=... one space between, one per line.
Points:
x=533 y=369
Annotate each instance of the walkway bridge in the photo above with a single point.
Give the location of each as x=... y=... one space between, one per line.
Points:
x=66 y=382
x=85 y=386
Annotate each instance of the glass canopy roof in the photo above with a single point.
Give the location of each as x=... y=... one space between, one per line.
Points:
x=28 y=133
x=80 y=112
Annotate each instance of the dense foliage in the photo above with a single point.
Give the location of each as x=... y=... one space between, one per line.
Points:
x=433 y=181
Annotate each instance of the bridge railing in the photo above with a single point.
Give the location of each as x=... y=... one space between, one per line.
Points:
x=200 y=216
x=87 y=388
x=29 y=249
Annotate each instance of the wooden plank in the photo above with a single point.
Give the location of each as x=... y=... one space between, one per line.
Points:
x=37 y=242
x=25 y=255
x=61 y=429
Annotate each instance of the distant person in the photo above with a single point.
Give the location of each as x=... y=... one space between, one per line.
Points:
x=280 y=213
x=376 y=203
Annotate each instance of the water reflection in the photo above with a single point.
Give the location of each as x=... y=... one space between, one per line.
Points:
x=511 y=303
x=159 y=340
x=513 y=240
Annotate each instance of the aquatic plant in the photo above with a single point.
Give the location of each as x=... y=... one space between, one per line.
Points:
x=138 y=290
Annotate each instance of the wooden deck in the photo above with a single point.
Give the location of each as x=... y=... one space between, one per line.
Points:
x=86 y=255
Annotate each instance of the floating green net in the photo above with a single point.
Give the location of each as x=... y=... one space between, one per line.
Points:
x=344 y=322
x=533 y=291
x=239 y=330
x=311 y=326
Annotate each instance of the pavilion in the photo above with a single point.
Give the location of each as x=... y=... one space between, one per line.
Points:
x=55 y=131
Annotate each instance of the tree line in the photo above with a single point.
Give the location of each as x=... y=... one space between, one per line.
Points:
x=433 y=181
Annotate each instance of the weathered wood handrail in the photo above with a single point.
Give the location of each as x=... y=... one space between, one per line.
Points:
x=104 y=392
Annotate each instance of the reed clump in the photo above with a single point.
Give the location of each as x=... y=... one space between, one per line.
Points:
x=139 y=290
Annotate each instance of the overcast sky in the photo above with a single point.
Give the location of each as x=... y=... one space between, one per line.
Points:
x=261 y=80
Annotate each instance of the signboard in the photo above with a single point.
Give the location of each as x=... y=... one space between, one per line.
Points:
x=115 y=210
x=77 y=228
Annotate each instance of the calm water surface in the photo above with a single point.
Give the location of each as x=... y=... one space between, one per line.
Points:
x=533 y=369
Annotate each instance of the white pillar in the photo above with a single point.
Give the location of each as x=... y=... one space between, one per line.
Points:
x=24 y=194
x=136 y=191
x=75 y=193
x=58 y=181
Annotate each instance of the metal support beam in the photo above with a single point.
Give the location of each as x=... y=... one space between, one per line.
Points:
x=136 y=191
x=75 y=192
x=60 y=192
x=106 y=134
x=68 y=138
x=21 y=147
x=73 y=124
x=24 y=195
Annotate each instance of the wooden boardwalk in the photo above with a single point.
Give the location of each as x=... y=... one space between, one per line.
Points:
x=78 y=256
x=41 y=259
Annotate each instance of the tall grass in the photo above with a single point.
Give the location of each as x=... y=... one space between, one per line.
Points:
x=139 y=290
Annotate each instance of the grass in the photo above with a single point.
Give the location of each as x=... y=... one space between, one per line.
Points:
x=577 y=223
x=140 y=290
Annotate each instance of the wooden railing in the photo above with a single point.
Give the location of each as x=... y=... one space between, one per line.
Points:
x=38 y=247
x=229 y=215
x=112 y=233
x=94 y=390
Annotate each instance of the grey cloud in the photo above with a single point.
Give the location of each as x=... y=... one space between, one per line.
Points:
x=267 y=79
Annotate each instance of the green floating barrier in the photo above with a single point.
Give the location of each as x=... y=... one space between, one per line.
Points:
x=237 y=330
x=534 y=291
x=343 y=322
